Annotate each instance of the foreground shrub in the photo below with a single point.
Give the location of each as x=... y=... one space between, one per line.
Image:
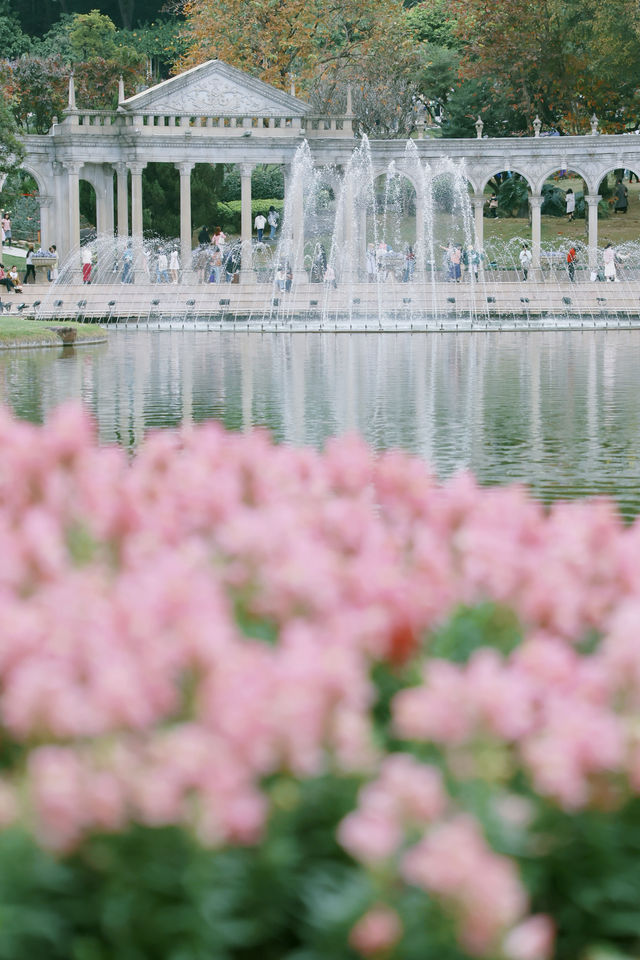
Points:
x=259 y=701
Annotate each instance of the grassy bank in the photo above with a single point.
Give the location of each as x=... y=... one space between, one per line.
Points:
x=22 y=332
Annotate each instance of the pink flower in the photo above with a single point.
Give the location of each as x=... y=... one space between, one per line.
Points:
x=370 y=836
x=530 y=940
x=378 y=930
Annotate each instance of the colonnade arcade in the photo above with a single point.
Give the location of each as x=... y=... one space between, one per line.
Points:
x=214 y=113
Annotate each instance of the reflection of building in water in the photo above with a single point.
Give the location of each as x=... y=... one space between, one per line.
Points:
x=509 y=413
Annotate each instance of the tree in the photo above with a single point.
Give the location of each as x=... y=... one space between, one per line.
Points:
x=275 y=39
x=13 y=42
x=83 y=38
x=431 y=22
x=92 y=35
x=11 y=149
x=480 y=98
x=37 y=90
x=436 y=76
x=554 y=58
x=38 y=16
x=161 y=42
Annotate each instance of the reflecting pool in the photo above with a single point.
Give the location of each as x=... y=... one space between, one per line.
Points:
x=559 y=411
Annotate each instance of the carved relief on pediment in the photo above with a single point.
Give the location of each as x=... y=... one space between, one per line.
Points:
x=217 y=96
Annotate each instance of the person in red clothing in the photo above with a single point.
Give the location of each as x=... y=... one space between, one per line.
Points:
x=572 y=256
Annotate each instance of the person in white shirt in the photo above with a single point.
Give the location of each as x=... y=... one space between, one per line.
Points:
x=272 y=220
x=570 y=198
x=174 y=266
x=525 y=260
x=15 y=279
x=609 y=258
x=260 y=223
x=162 y=272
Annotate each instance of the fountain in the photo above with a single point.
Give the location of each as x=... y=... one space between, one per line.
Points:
x=345 y=260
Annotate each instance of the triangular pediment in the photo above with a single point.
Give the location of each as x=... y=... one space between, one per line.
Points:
x=215 y=89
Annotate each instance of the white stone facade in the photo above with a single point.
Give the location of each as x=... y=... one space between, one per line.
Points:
x=216 y=114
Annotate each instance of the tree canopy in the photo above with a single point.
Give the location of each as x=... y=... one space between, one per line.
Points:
x=560 y=59
x=280 y=40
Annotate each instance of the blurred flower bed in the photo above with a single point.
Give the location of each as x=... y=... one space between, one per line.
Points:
x=262 y=702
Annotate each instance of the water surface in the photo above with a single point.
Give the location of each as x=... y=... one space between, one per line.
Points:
x=559 y=411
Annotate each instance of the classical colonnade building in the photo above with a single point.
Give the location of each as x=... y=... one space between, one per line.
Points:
x=214 y=113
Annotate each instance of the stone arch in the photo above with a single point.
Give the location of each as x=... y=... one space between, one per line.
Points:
x=608 y=169
x=28 y=210
x=393 y=219
x=41 y=181
x=569 y=165
x=496 y=169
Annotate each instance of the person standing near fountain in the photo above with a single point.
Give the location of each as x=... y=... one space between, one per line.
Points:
x=622 y=197
x=127 y=269
x=372 y=264
x=31 y=270
x=330 y=276
x=87 y=263
x=162 y=268
x=570 y=199
x=272 y=220
x=456 y=259
x=572 y=256
x=609 y=258
x=219 y=238
x=216 y=265
x=409 y=265
x=52 y=272
x=525 y=260
x=174 y=265
x=260 y=223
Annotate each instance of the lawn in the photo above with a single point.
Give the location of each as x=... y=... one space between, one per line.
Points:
x=22 y=330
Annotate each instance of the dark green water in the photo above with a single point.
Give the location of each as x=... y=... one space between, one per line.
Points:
x=559 y=411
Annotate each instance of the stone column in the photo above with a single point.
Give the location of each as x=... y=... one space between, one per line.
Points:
x=247 y=273
x=123 y=199
x=478 y=202
x=136 y=199
x=536 y=235
x=104 y=203
x=185 y=169
x=420 y=250
x=592 y=202
x=47 y=236
x=73 y=195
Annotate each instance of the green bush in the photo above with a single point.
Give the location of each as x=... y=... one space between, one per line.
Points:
x=443 y=194
x=513 y=197
x=230 y=213
x=266 y=181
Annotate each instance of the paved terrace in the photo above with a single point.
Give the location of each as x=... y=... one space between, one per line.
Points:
x=392 y=306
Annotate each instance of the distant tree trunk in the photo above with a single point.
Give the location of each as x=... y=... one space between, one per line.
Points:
x=126 y=8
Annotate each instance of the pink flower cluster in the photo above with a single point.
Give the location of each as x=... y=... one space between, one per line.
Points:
x=179 y=626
